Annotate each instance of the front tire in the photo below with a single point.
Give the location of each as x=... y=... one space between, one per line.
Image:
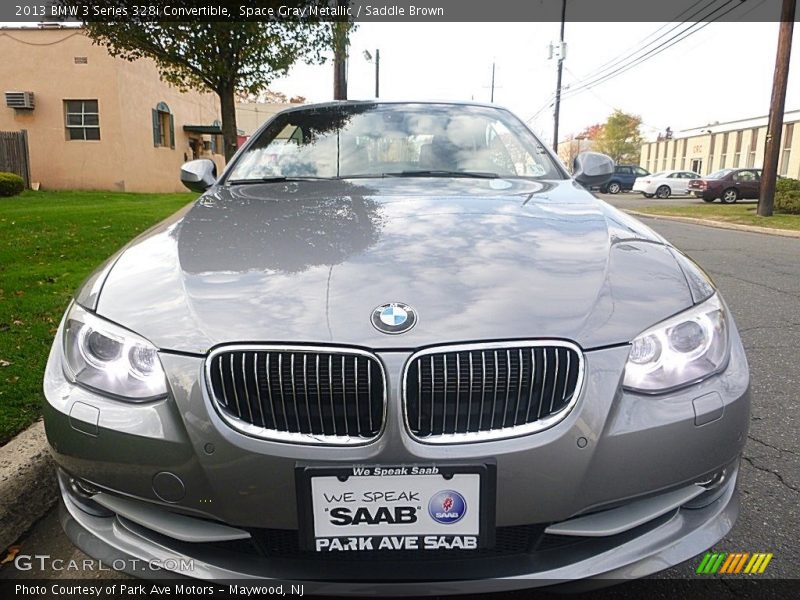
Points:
x=613 y=188
x=663 y=192
x=730 y=196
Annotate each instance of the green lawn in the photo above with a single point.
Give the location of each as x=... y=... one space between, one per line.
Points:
x=49 y=243
x=744 y=214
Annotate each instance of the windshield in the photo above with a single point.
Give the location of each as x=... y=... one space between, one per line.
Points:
x=719 y=174
x=382 y=140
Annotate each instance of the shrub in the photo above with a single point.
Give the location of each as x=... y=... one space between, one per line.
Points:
x=784 y=184
x=11 y=184
x=787 y=202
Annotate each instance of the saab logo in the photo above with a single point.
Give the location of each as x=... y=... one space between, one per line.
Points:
x=342 y=515
x=733 y=563
x=447 y=507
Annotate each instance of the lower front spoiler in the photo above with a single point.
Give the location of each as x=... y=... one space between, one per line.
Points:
x=668 y=541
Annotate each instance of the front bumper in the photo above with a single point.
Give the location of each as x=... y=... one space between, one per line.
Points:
x=668 y=540
x=614 y=447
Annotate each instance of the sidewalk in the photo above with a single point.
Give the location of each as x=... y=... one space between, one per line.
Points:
x=28 y=486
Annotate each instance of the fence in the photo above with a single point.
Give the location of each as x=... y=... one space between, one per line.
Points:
x=14 y=156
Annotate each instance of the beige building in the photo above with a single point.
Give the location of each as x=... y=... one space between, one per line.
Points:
x=98 y=122
x=252 y=115
x=571 y=147
x=725 y=145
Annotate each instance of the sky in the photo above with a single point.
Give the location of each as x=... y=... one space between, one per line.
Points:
x=720 y=73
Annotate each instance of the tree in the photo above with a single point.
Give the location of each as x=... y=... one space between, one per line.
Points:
x=620 y=137
x=223 y=57
x=592 y=132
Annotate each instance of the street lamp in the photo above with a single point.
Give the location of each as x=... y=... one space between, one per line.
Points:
x=368 y=57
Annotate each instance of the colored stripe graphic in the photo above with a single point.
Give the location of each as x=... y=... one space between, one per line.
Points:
x=741 y=562
x=733 y=557
x=704 y=563
x=715 y=567
x=733 y=563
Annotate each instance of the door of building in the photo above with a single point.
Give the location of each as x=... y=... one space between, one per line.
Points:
x=697 y=165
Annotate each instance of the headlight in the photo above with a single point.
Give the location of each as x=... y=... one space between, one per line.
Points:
x=681 y=350
x=112 y=360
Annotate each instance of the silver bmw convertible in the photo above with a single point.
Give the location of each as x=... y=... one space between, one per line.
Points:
x=396 y=347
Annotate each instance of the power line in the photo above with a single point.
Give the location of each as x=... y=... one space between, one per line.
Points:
x=623 y=56
x=693 y=29
x=596 y=79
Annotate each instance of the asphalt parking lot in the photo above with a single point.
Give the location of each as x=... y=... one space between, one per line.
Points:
x=634 y=200
x=759 y=275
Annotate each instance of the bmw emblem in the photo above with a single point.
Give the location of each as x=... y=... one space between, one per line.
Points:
x=393 y=318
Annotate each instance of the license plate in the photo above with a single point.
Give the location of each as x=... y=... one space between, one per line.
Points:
x=411 y=507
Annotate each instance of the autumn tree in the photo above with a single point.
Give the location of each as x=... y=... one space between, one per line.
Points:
x=620 y=137
x=227 y=58
x=591 y=133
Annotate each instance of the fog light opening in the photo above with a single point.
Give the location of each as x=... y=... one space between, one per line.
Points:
x=82 y=488
x=714 y=481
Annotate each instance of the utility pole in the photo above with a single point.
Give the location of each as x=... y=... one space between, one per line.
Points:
x=377 y=73
x=492 y=94
x=558 y=81
x=377 y=60
x=341 y=30
x=776 y=108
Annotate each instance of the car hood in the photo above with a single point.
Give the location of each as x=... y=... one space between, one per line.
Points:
x=478 y=259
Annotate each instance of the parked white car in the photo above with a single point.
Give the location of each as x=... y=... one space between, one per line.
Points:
x=664 y=184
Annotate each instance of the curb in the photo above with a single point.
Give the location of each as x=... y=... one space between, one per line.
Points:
x=28 y=486
x=718 y=224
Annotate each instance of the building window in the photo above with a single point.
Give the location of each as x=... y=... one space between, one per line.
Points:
x=751 y=155
x=737 y=154
x=163 y=126
x=683 y=153
x=711 y=153
x=82 y=119
x=787 y=149
x=674 y=152
x=724 y=155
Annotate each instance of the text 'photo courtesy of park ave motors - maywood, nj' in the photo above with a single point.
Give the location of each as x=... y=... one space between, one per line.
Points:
x=349 y=297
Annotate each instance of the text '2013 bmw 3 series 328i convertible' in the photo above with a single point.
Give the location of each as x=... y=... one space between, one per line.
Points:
x=395 y=346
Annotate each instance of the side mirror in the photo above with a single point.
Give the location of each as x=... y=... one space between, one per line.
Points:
x=592 y=169
x=199 y=175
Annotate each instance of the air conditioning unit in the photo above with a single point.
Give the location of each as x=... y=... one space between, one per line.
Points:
x=19 y=100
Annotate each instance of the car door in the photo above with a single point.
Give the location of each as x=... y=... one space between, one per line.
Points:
x=678 y=184
x=746 y=181
x=686 y=177
x=755 y=185
x=625 y=177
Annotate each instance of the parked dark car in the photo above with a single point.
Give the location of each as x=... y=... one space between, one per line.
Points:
x=623 y=178
x=729 y=185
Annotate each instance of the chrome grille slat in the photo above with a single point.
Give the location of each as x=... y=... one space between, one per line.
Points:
x=543 y=385
x=269 y=390
x=235 y=393
x=244 y=386
x=349 y=407
x=531 y=386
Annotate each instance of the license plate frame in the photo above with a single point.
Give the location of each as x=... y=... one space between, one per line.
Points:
x=304 y=474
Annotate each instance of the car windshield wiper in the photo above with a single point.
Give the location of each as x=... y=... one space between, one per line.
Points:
x=442 y=173
x=278 y=179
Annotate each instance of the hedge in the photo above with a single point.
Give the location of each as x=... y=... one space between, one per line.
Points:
x=11 y=184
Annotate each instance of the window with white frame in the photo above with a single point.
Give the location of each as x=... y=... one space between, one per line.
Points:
x=82 y=119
